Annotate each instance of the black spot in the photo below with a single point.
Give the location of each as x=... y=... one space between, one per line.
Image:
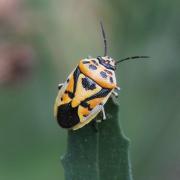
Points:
x=88 y=84
x=85 y=62
x=61 y=99
x=111 y=79
x=93 y=67
x=103 y=74
x=109 y=72
x=75 y=77
x=95 y=62
x=86 y=105
x=67 y=80
x=70 y=94
x=59 y=87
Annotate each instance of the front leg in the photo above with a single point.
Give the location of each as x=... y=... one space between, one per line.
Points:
x=104 y=115
x=103 y=112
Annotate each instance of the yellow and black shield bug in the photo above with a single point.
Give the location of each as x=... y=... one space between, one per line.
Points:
x=87 y=89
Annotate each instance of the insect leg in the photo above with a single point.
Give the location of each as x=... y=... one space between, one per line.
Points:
x=60 y=85
x=104 y=115
x=115 y=94
x=118 y=88
x=103 y=112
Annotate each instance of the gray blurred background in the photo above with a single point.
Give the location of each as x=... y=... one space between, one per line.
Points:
x=41 y=41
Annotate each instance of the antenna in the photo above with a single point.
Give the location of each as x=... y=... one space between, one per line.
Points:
x=129 y=58
x=104 y=38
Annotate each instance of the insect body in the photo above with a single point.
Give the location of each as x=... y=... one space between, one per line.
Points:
x=86 y=90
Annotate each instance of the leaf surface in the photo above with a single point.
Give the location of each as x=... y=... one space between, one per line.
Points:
x=101 y=155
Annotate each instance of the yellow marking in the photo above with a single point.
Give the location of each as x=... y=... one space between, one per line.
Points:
x=65 y=98
x=81 y=93
x=82 y=111
x=94 y=102
x=75 y=102
x=80 y=125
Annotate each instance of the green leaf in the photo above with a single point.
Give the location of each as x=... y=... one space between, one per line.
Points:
x=101 y=155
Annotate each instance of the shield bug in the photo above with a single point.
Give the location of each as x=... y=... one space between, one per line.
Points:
x=88 y=87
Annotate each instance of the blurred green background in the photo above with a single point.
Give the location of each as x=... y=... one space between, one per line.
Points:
x=41 y=41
